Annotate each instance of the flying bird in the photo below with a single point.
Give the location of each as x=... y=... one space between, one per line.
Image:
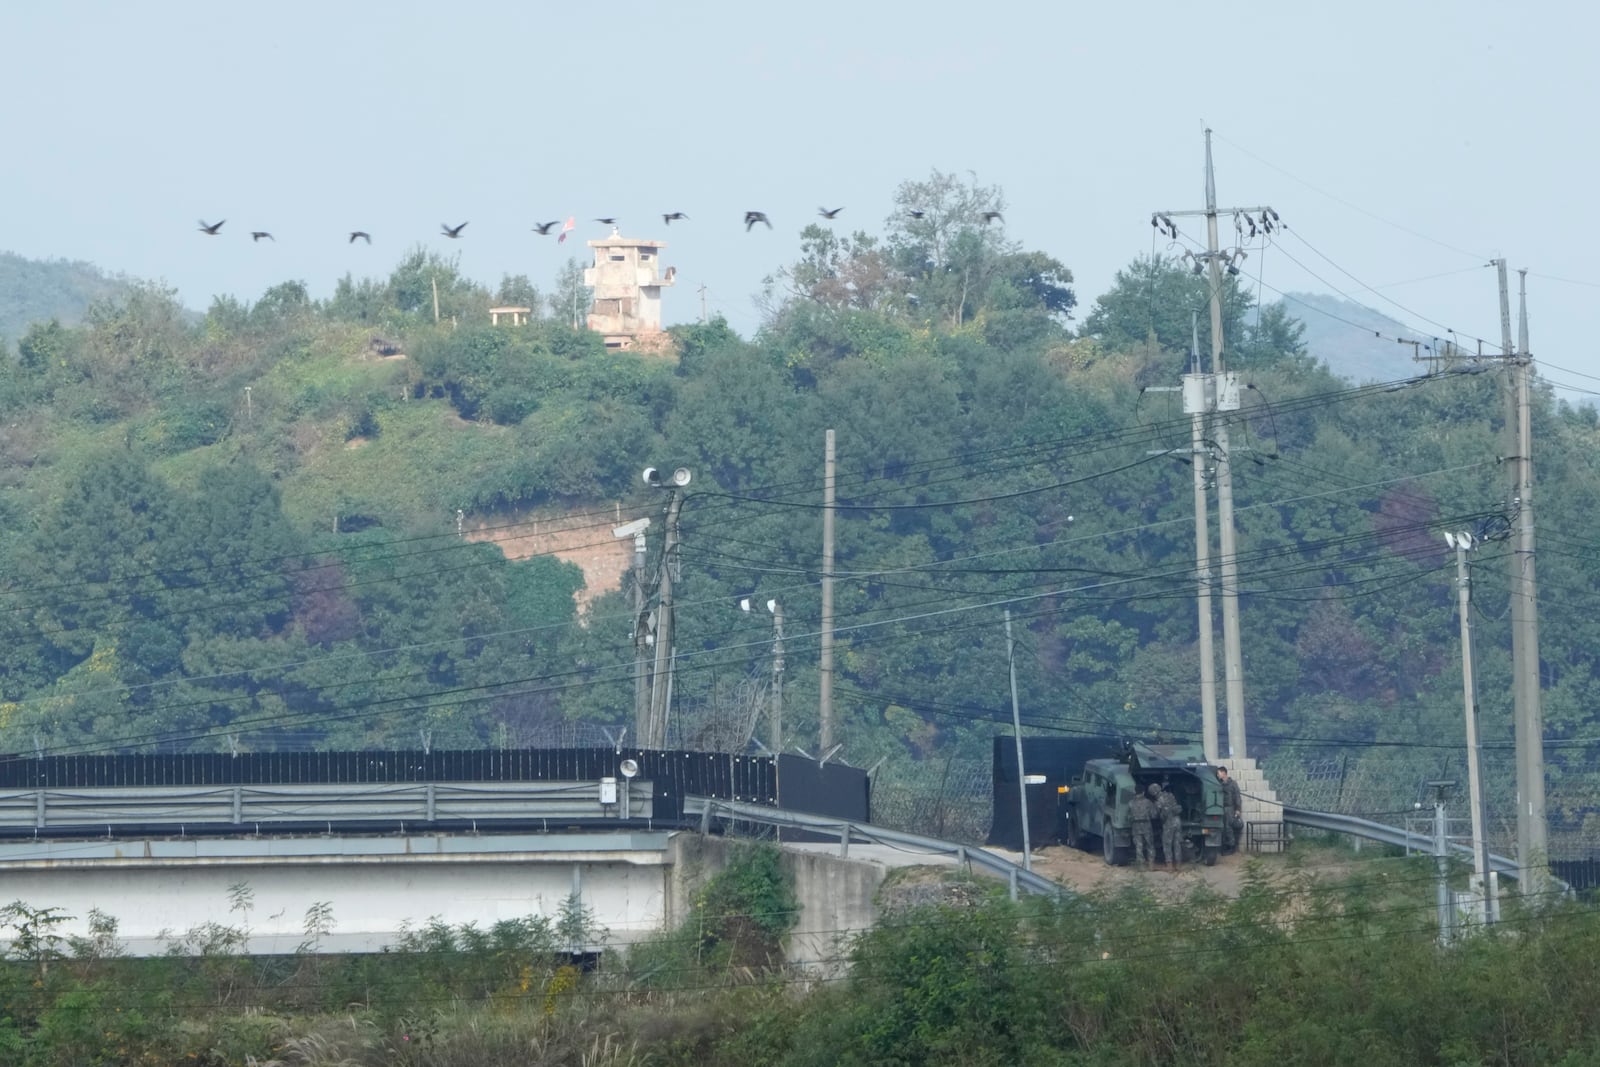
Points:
x=451 y=231
x=916 y=214
x=991 y=216
x=544 y=228
x=674 y=217
x=256 y=235
x=753 y=217
x=210 y=228
x=367 y=237
x=825 y=213
x=608 y=222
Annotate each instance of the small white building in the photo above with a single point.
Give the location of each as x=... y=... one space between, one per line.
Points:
x=627 y=279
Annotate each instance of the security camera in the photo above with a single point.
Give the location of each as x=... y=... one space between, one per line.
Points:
x=772 y=606
x=652 y=476
x=744 y=604
x=629 y=768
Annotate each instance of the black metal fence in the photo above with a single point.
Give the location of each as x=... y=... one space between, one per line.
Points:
x=802 y=785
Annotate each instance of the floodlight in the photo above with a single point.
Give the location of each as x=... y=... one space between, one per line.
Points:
x=772 y=606
x=681 y=476
x=629 y=768
x=1450 y=539
x=744 y=604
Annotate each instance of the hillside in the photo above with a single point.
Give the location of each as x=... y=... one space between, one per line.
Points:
x=245 y=531
x=1342 y=334
x=33 y=290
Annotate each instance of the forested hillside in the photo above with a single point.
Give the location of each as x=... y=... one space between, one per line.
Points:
x=33 y=291
x=244 y=531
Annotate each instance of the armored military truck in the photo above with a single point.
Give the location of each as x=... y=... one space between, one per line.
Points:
x=1094 y=808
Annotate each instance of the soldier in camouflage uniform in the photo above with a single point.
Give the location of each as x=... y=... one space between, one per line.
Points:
x=1142 y=812
x=1232 y=810
x=1171 y=815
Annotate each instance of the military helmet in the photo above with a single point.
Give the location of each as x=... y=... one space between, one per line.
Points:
x=1155 y=789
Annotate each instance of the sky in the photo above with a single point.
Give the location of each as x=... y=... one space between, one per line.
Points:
x=1403 y=144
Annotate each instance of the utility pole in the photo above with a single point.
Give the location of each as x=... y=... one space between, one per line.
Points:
x=825 y=666
x=777 y=676
x=435 y=281
x=1463 y=543
x=1199 y=393
x=1016 y=731
x=249 y=410
x=702 y=292
x=1441 y=859
x=1223 y=398
x=641 y=627
x=1532 y=832
x=661 y=681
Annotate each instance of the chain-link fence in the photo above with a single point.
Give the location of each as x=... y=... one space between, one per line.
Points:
x=1389 y=785
x=951 y=799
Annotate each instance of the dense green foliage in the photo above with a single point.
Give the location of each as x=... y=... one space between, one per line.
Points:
x=1300 y=967
x=247 y=526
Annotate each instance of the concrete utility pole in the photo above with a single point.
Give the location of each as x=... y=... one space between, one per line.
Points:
x=825 y=666
x=661 y=682
x=777 y=675
x=1220 y=395
x=641 y=628
x=1199 y=393
x=1441 y=859
x=1533 y=846
x=1016 y=732
x=1463 y=543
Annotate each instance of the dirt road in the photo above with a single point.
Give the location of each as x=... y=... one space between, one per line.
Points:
x=1087 y=870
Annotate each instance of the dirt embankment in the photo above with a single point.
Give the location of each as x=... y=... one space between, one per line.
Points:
x=1085 y=871
x=584 y=539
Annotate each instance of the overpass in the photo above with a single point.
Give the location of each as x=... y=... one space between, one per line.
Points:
x=411 y=840
x=384 y=842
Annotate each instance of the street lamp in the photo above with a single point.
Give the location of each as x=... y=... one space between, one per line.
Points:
x=776 y=718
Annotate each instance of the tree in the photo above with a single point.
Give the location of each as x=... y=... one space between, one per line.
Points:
x=571 y=300
x=1154 y=297
x=940 y=242
x=516 y=290
x=836 y=272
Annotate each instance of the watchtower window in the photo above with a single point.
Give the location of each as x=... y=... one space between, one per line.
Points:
x=618 y=258
x=644 y=257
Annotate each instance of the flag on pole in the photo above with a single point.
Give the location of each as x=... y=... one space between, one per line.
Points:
x=572 y=220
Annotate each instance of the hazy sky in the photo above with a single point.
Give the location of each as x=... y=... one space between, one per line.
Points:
x=1401 y=141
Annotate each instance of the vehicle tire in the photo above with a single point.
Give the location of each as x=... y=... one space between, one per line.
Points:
x=1209 y=855
x=1115 y=857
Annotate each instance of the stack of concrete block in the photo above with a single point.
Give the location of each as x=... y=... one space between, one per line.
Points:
x=1263 y=811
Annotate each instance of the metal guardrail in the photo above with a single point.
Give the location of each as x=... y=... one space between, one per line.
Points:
x=1393 y=835
x=846 y=831
x=111 y=808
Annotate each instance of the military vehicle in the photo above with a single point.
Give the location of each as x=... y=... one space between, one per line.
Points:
x=1094 y=808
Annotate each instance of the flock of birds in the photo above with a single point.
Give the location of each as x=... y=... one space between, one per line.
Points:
x=543 y=229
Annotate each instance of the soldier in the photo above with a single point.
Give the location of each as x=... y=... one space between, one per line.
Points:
x=1171 y=815
x=1143 y=812
x=1232 y=810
